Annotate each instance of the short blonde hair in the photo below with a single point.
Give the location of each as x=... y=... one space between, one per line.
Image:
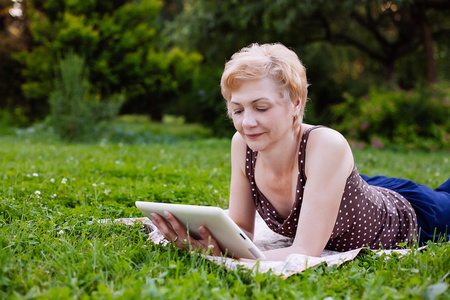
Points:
x=275 y=61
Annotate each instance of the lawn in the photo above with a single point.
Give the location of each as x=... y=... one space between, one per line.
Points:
x=52 y=195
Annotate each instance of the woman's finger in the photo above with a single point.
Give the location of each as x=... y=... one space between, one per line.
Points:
x=177 y=226
x=175 y=231
x=184 y=241
x=208 y=242
x=164 y=227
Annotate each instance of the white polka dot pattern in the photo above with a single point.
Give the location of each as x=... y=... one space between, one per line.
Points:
x=368 y=216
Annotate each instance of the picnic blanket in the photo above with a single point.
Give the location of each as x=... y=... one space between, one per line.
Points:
x=266 y=239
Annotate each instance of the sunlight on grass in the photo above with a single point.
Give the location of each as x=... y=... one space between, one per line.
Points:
x=53 y=194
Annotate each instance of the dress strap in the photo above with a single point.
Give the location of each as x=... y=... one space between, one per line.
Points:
x=250 y=164
x=302 y=150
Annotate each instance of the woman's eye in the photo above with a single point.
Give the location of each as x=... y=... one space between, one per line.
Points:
x=237 y=112
x=261 y=109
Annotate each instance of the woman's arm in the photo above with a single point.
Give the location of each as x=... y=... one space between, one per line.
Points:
x=329 y=162
x=241 y=206
x=242 y=209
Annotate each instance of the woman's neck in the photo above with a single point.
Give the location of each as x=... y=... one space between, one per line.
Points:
x=282 y=158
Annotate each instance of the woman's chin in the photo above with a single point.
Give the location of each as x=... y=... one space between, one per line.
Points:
x=256 y=145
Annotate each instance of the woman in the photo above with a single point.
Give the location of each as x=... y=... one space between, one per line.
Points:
x=302 y=179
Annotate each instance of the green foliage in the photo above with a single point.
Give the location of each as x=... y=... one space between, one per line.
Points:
x=418 y=118
x=141 y=48
x=350 y=45
x=385 y=31
x=53 y=245
x=138 y=130
x=121 y=44
x=13 y=117
x=75 y=111
x=169 y=88
x=39 y=73
x=209 y=107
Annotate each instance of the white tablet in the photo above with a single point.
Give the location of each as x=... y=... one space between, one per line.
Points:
x=229 y=236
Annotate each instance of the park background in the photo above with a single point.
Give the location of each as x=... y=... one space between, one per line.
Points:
x=379 y=70
x=103 y=103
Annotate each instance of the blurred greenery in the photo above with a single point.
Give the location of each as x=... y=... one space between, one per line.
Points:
x=121 y=47
x=74 y=110
x=397 y=117
x=124 y=130
x=166 y=57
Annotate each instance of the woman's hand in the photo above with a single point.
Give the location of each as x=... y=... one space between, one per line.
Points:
x=176 y=232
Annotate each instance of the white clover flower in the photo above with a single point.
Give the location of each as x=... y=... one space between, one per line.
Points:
x=94 y=184
x=52 y=180
x=35 y=174
x=64 y=181
x=37 y=192
x=107 y=191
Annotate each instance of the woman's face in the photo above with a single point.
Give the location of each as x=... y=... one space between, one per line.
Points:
x=260 y=114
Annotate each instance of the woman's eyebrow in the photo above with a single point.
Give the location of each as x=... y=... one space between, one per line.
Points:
x=253 y=101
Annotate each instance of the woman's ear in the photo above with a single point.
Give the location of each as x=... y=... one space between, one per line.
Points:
x=297 y=118
x=297 y=107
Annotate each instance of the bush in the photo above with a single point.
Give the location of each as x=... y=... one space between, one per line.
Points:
x=205 y=105
x=74 y=111
x=13 y=117
x=122 y=44
x=419 y=118
x=139 y=130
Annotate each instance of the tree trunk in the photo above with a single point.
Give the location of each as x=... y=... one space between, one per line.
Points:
x=427 y=38
x=389 y=67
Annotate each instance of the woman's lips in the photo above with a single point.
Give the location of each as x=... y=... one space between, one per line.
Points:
x=253 y=136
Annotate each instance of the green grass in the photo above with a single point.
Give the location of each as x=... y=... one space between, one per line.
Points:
x=52 y=246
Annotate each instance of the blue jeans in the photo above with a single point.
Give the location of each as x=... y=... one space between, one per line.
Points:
x=432 y=207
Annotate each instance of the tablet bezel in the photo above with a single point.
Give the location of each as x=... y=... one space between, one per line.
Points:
x=227 y=234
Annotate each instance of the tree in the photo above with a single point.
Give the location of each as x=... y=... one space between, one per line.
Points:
x=121 y=44
x=396 y=29
x=75 y=112
x=383 y=30
x=14 y=37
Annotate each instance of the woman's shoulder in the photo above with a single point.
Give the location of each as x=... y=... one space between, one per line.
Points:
x=238 y=142
x=324 y=136
x=238 y=149
x=327 y=147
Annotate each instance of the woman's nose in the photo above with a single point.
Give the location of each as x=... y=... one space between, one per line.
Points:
x=249 y=120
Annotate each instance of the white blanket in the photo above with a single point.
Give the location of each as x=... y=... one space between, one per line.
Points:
x=266 y=239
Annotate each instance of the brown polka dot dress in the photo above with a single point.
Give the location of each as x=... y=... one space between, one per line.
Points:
x=369 y=216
